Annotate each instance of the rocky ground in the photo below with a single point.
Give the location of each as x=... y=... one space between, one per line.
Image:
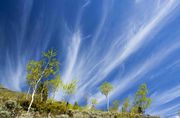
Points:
x=77 y=114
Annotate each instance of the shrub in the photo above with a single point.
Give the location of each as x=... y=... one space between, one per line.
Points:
x=56 y=107
x=76 y=106
x=24 y=104
x=5 y=114
x=10 y=104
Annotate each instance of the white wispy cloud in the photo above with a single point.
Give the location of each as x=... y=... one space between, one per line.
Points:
x=103 y=67
x=162 y=98
x=138 y=39
x=86 y=3
x=71 y=58
x=102 y=56
x=13 y=75
x=169 y=112
x=128 y=80
x=23 y=47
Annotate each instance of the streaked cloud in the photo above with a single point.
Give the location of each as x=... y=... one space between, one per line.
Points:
x=112 y=59
x=97 y=47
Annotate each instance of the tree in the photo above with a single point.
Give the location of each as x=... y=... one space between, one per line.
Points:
x=105 y=89
x=115 y=106
x=42 y=70
x=134 y=109
x=43 y=91
x=125 y=105
x=76 y=106
x=69 y=89
x=93 y=103
x=142 y=102
x=55 y=84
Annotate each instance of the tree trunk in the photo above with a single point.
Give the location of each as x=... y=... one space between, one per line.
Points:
x=107 y=97
x=32 y=97
x=42 y=94
x=49 y=115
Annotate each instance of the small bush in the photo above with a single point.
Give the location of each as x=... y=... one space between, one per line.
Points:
x=5 y=114
x=24 y=104
x=56 y=107
x=10 y=104
x=76 y=106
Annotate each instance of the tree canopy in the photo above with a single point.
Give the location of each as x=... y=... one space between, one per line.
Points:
x=105 y=88
x=142 y=102
x=42 y=71
x=70 y=88
x=115 y=105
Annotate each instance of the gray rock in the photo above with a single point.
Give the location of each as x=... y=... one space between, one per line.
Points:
x=62 y=116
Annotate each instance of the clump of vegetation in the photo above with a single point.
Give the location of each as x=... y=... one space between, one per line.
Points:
x=125 y=106
x=69 y=89
x=105 y=89
x=142 y=102
x=10 y=104
x=54 y=85
x=44 y=80
x=93 y=103
x=115 y=106
x=5 y=114
x=41 y=71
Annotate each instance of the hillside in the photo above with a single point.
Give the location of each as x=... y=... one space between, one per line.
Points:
x=14 y=105
x=8 y=94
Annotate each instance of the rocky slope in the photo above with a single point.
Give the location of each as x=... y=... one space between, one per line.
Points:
x=11 y=107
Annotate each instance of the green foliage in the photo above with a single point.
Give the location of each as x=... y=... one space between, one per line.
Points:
x=54 y=108
x=50 y=53
x=43 y=91
x=51 y=66
x=10 y=104
x=105 y=88
x=142 y=102
x=115 y=106
x=41 y=71
x=24 y=104
x=134 y=109
x=34 y=70
x=16 y=103
x=125 y=105
x=70 y=88
x=6 y=94
x=76 y=106
x=9 y=108
x=55 y=84
x=5 y=114
x=46 y=107
x=93 y=103
x=131 y=115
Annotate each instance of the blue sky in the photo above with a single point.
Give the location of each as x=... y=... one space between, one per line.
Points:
x=124 y=42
